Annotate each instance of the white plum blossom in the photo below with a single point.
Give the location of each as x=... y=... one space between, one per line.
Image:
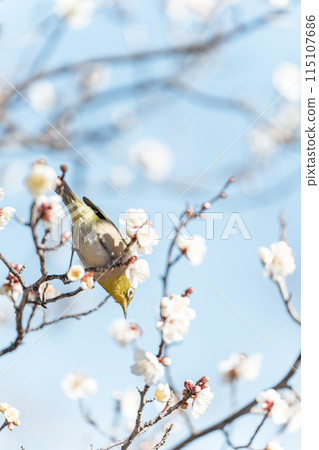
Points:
x=46 y=292
x=147 y=364
x=124 y=332
x=294 y=419
x=75 y=273
x=279 y=260
x=274 y=445
x=6 y=213
x=137 y=226
x=175 y=318
x=146 y=239
x=201 y=402
x=240 y=366
x=134 y=219
x=42 y=95
x=77 y=13
x=154 y=157
x=41 y=179
x=286 y=80
x=129 y=402
x=270 y=402
x=194 y=248
x=11 y=415
x=11 y=287
x=77 y=385
x=138 y=272
x=162 y=393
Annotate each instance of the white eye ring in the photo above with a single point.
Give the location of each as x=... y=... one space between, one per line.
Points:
x=130 y=292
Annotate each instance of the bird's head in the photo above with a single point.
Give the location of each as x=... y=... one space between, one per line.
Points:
x=121 y=290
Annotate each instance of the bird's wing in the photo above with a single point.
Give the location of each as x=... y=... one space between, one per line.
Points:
x=98 y=211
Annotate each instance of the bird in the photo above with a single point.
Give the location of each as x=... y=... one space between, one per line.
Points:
x=99 y=244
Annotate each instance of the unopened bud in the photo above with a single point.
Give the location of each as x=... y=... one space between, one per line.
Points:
x=132 y=260
x=204 y=379
x=223 y=195
x=188 y=384
x=232 y=180
x=185 y=405
x=206 y=205
x=204 y=386
x=166 y=361
x=10 y=426
x=65 y=237
x=201 y=216
x=188 y=292
x=64 y=168
x=196 y=389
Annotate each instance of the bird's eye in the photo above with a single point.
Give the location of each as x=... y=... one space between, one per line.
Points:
x=130 y=292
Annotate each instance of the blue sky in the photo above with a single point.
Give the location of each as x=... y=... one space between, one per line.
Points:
x=197 y=135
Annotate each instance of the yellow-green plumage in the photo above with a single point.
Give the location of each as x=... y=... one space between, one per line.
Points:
x=98 y=243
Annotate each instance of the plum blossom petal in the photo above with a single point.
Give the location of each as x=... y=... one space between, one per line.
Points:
x=286 y=80
x=146 y=239
x=274 y=445
x=270 y=402
x=77 y=385
x=124 y=332
x=6 y=214
x=41 y=179
x=240 y=366
x=76 y=13
x=162 y=393
x=75 y=273
x=147 y=364
x=202 y=402
x=194 y=248
x=278 y=261
x=42 y=95
x=138 y=272
x=175 y=318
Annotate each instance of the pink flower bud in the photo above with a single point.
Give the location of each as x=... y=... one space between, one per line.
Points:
x=188 y=292
x=206 y=205
x=204 y=386
x=223 y=195
x=188 y=384
x=65 y=237
x=204 y=379
x=64 y=168
x=196 y=389
x=232 y=180
x=166 y=361
x=132 y=260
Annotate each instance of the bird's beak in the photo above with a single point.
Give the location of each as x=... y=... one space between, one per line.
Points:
x=125 y=310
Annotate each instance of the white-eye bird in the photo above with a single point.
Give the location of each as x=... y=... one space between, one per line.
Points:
x=98 y=244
